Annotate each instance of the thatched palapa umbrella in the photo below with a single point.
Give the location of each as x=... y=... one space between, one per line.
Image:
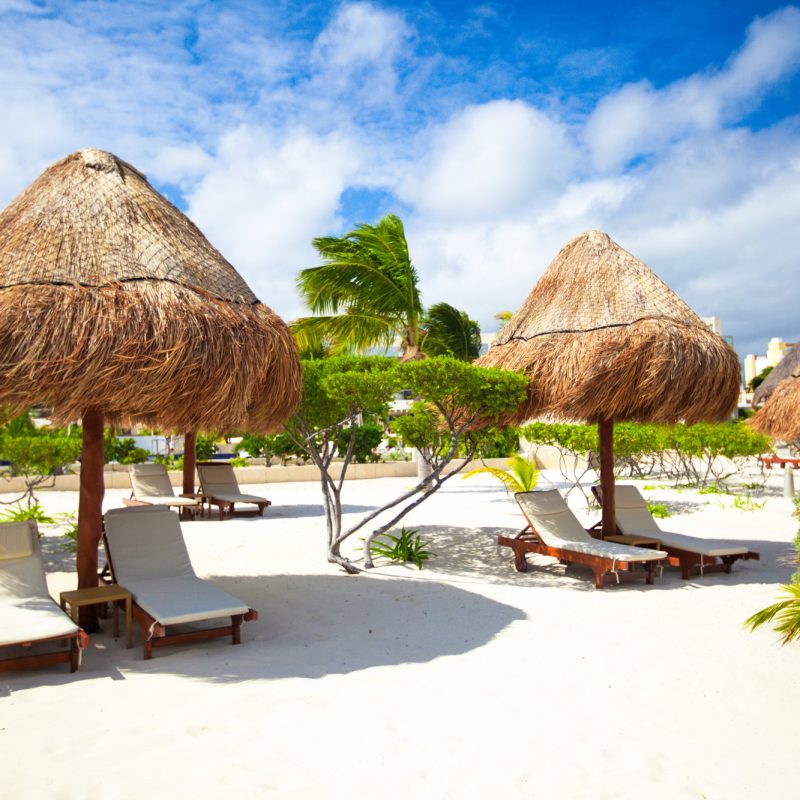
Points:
x=779 y=417
x=604 y=340
x=114 y=306
x=789 y=365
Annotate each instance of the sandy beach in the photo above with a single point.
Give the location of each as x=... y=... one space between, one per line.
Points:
x=466 y=679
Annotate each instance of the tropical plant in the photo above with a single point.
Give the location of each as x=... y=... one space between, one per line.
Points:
x=747 y=503
x=239 y=461
x=521 y=476
x=337 y=391
x=405 y=547
x=20 y=513
x=366 y=294
x=450 y=332
x=785 y=612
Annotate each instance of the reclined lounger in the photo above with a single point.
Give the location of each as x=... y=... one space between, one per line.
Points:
x=219 y=487
x=28 y=615
x=148 y=556
x=690 y=553
x=553 y=530
x=151 y=487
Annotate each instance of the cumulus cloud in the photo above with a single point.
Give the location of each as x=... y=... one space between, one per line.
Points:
x=499 y=158
x=263 y=199
x=639 y=119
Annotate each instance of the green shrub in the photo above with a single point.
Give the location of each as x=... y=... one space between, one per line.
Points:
x=239 y=461
x=658 y=510
x=367 y=438
x=205 y=446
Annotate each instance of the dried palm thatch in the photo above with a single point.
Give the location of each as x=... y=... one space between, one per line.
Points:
x=111 y=298
x=787 y=366
x=602 y=338
x=779 y=417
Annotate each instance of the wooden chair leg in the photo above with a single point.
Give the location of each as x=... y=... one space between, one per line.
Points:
x=520 y=563
x=74 y=655
x=236 y=625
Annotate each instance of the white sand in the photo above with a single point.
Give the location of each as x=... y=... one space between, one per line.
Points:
x=465 y=680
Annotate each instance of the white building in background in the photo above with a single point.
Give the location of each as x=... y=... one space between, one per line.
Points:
x=756 y=364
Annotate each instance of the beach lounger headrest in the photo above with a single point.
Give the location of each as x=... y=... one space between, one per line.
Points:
x=631 y=511
x=551 y=517
x=151 y=480
x=146 y=542
x=16 y=540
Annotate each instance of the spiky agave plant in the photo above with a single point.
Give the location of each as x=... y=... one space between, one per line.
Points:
x=785 y=612
x=521 y=476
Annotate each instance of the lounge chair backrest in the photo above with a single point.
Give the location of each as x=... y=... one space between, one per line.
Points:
x=552 y=518
x=150 y=480
x=631 y=511
x=21 y=567
x=146 y=542
x=217 y=478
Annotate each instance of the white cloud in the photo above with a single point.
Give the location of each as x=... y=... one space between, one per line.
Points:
x=501 y=158
x=264 y=199
x=358 y=51
x=640 y=120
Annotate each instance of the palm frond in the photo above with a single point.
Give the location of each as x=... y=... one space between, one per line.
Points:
x=785 y=612
x=451 y=332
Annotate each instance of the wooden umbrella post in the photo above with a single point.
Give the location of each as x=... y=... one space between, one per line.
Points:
x=90 y=510
x=606 y=431
x=189 y=462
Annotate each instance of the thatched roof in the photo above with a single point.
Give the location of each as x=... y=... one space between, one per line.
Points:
x=601 y=337
x=111 y=298
x=788 y=365
x=779 y=417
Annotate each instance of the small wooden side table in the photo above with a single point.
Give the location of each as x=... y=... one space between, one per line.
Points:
x=95 y=595
x=634 y=540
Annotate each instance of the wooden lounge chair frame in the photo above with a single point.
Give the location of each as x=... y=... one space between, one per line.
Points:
x=692 y=563
x=185 y=509
x=228 y=506
x=154 y=634
x=71 y=644
x=605 y=568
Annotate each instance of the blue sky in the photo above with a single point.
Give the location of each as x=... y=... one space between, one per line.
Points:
x=498 y=131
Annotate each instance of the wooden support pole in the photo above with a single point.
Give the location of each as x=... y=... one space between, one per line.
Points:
x=189 y=461
x=90 y=510
x=606 y=431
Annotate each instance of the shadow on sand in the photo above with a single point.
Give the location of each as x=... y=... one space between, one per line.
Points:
x=473 y=553
x=309 y=626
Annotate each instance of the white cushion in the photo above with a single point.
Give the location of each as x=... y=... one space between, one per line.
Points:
x=27 y=612
x=634 y=518
x=150 y=559
x=151 y=480
x=166 y=501
x=558 y=527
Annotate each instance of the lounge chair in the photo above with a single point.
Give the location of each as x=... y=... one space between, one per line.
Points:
x=147 y=555
x=553 y=530
x=218 y=487
x=28 y=615
x=150 y=486
x=690 y=553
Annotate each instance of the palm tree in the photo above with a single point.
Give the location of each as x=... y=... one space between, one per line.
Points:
x=450 y=332
x=365 y=293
